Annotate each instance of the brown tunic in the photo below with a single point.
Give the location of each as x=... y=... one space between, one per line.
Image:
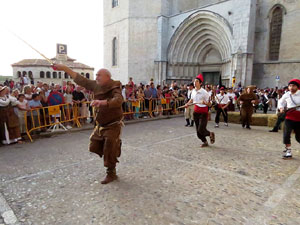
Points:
x=105 y=140
x=247 y=107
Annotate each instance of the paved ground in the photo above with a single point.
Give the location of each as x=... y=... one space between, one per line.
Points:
x=165 y=178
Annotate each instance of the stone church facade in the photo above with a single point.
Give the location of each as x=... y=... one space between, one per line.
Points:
x=246 y=41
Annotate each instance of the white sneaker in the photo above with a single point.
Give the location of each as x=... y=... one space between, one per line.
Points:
x=69 y=127
x=226 y=124
x=217 y=125
x=288 y=154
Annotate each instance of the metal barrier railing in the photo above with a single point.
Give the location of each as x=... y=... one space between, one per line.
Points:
x=50 y=116
x=53 y=117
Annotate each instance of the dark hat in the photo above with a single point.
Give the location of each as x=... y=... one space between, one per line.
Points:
x=200 y=77
x=296 y=82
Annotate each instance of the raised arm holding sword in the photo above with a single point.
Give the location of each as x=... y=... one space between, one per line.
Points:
x=105 y=140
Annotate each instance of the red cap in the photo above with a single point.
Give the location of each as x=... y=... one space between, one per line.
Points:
x=200 y=77
x=222 y=88
x=296 y=82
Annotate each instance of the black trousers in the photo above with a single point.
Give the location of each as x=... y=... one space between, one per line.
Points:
x=201 y=123
x=224 y=113
x=290 y=126
x=280 y=119
x=266 y=106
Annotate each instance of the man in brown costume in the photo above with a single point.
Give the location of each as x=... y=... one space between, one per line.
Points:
x=247 y=101
x=105 y=140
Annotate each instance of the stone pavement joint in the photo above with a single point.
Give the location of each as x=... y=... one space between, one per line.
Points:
x=276 y=197
x=6 y=212
x=46 y=171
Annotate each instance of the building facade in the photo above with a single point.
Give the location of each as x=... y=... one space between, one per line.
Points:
x=249 y=41
x=41 y=70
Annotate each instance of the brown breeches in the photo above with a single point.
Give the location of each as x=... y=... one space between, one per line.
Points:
x=106 y=142
x=246 y=115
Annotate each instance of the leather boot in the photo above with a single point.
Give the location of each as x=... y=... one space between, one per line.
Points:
x=192 y=123
x=111 y=175
x=187 y=122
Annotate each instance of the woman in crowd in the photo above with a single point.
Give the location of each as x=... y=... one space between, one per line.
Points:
x=23 y=107
x=27 y=92
x=9 y=121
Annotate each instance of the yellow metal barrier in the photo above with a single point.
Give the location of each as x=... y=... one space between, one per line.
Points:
x=50 y=116
x=41 y=118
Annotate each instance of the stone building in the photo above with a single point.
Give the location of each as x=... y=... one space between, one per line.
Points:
x=41 y=70
x=249 y=41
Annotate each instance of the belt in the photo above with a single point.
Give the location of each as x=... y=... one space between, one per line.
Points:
x=100 y=128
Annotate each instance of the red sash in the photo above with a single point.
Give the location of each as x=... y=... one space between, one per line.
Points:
x=198 y=109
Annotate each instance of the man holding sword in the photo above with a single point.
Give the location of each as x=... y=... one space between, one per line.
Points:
x=105 y=140
x=200 y=100
x=290 y=103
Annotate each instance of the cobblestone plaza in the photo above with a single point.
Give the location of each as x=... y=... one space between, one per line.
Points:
x=164 y=178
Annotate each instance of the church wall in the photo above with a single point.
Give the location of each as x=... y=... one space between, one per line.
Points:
x=116 y=24
x=143 y=38
x=288 y=65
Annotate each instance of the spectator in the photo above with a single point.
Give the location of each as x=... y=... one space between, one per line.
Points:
x=23 y=107
x=148 y=96
x=35 y=104
x=27 y=92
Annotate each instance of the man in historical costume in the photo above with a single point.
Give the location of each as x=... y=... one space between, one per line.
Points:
x=9 y=121
x=200 y=99
x=247 y=101
x=232 y=97
x=105 y=140
x=189 y=111
x=290 y=102
x=265 y=101
x=222 y=101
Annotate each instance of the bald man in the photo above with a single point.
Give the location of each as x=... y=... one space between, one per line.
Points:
x=105 y=140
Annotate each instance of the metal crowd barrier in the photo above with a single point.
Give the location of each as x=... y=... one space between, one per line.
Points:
x=51 y=117
x=55 y=117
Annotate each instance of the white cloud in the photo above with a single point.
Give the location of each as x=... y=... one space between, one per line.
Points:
x=43 y=23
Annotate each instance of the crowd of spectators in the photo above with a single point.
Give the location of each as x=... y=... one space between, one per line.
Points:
x=25 y=96
x=29 y=99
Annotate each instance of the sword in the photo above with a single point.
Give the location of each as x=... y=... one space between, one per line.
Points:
x=29 y=45
x=182 y=107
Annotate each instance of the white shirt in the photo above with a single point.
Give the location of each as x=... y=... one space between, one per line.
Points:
x=124 y=94
x=222 y=99
x=25 y=80
x=4 y=101
x=189 y=94
x=199 y=96
x=286 y=100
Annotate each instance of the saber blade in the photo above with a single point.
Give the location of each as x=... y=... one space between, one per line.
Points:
x=49 y=60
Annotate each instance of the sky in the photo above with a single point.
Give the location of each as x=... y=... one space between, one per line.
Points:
x=44 y=23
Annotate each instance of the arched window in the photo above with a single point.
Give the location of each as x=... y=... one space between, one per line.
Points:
x=48 y=74
x=42 y=74
x=66 y=76
x=59 y=75
x=87 y=75
x=19 y=73
x=54 y=74
x=275 y=33
x=24 y=73
x=30 y=75
x=115 y=3
x=114 y=51
x=82 y=74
